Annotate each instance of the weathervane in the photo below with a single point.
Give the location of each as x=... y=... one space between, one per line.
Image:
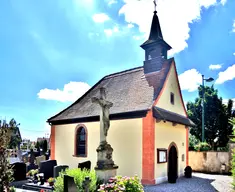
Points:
x=155 y=5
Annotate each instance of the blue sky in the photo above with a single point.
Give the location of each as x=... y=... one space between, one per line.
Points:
x=51 y=52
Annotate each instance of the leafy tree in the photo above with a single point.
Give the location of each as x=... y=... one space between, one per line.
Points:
x=193 y=141
x=6 y=171
x=15 y=136
x=217 y=116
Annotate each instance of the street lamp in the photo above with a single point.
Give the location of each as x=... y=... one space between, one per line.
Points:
x=203 y=97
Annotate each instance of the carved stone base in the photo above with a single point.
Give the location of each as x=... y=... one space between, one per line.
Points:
x=105 y=174
x=105 y=165
x=104 y=156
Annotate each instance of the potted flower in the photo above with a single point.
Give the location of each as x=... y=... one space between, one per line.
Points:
x=51 y=181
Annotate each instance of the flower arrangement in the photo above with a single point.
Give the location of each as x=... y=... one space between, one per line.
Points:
x=120 y=183
x=51 y=181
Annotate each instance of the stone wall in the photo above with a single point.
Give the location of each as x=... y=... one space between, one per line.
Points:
x=209 y=162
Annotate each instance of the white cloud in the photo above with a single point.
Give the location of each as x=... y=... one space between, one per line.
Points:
x=215 y=66
x=223 y=2
x=234 y=54
x=71 y=92
x=130 y=25
x=190 y=80
x=100 y=17
x=111 y=2
x=109 y=32
x=175 y=26
x=228 y=74
x=233 y=30
x=138 y=37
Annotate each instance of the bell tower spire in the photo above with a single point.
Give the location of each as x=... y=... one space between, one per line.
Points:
x=155 y=47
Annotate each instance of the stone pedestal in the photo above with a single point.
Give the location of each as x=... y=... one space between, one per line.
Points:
x=105 y=174
x=105 y=165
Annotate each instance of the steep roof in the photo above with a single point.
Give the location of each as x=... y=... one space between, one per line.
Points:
x=155 y=35
x=129 y=91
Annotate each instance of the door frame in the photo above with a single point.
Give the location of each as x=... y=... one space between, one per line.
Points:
x=168 y=155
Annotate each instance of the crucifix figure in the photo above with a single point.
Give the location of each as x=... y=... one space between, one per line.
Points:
x=104 y=114
x=155 y=5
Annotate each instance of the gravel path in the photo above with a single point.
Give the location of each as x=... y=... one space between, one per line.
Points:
x=198 y=183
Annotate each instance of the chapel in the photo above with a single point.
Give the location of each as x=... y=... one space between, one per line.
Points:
x=148 y=121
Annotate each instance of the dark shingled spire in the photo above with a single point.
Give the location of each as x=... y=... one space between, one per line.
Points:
x=155 y=33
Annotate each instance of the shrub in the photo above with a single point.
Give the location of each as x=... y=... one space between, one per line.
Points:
x=79 y=176
x=224 y=149
x=32 y=172
x=119 y=183
x=193 y=141
x=232 y=122
x=202 y=146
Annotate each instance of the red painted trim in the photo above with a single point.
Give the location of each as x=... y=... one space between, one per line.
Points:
x=52 y=143
x=75 y=140
x=187 y=130
x=148 y=152
x=164 y=86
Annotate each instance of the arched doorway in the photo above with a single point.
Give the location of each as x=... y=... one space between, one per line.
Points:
x=172 y=164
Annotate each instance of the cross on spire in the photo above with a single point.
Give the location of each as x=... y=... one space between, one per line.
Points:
x=155 y=5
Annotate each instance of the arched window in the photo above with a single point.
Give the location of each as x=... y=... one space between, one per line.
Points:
x=81 y=142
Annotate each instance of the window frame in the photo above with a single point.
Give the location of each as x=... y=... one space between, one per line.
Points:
x=78 y=127
x=172 y=98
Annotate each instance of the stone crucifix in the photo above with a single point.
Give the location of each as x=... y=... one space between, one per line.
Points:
x=104 y=114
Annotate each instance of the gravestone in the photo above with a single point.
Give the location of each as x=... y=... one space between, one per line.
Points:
x=69 y=185
x=31 y=159
x=19 y=171
x=47 y=167
x=19 y=155
x=85 y=165
x=105 y=167
x=86 y=184
x=58 y=169
x=40 y=158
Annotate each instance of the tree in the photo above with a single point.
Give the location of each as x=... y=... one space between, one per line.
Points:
x=37 y=146
x=15 y=136
x=44 y=146
x=6 y=172
x=217 y=115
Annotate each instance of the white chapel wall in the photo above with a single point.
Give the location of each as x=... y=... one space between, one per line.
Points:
x=125 y=136
x=171 y=86
x=165 y=134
